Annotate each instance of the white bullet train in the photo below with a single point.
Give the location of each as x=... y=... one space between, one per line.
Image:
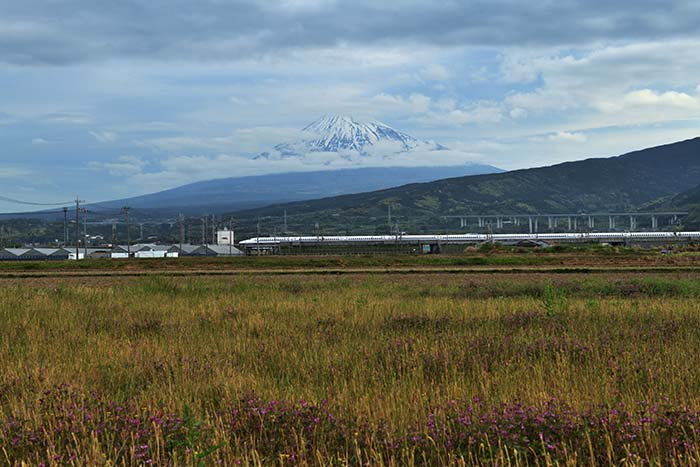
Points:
x=471 y=238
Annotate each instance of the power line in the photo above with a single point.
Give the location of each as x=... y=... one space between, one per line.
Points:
x=31 y=203
x=23 y=215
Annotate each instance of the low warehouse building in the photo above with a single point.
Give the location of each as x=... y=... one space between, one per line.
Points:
x=217 y=250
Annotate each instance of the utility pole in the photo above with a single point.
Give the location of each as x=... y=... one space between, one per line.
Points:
x=213 y=230
x=77 y=228
x=389 y=217
x=65 y=227
x=285 y=222
x=128 y=231
x=141 y=232
x=85 y=237
x=182 y=230
x=114 y=234
x=204 y=230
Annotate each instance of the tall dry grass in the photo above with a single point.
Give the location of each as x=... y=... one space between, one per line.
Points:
x=371 y=370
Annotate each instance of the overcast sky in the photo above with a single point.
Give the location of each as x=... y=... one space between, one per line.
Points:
x=108 y=99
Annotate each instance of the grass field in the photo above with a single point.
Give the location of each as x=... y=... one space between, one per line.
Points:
x=307 y=369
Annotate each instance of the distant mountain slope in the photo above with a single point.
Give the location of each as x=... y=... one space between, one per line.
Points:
x=227 y=194
x=616 y=183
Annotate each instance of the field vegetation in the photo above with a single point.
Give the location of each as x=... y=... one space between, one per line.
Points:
x=430 y=370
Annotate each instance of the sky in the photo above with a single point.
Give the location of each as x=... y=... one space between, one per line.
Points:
x=106 y=99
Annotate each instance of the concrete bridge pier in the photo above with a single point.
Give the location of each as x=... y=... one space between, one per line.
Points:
x=633 y=223
x=591 y=222
x=654 y=223
x=611 y=222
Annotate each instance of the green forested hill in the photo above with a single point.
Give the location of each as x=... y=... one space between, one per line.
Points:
x=625 y=182
x=688 y=200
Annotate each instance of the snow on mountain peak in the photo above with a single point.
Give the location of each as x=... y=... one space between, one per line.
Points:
x=351 y=139
x=343 y=134
x=340 y=133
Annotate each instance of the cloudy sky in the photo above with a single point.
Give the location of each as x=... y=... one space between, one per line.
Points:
x=108 y=98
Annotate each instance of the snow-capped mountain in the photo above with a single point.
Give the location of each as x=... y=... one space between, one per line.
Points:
x=349 y=138
x=338 y=133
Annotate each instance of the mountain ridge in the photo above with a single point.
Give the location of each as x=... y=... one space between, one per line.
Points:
x=231 y=193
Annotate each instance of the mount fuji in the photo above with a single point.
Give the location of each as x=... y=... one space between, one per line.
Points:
x=351 y=140
x=355 y=157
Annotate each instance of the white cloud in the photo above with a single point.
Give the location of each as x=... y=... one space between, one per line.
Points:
x=124 y=166
x=443 y=112
x=178 y=170
x=435 y=72
x=478 y=113
x=241 y=141
x=104 y=136
x=647 y=97
x=517 y=113
x=561 y=137
x=568 y=137
x=39 y=141
x=419 y=103
x=13 y=172
x=608 y=85
x=68 y=118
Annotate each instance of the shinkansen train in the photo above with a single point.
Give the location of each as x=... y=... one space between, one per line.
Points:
x=261 y=242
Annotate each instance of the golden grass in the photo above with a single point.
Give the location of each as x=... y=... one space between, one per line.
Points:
x=382 y=352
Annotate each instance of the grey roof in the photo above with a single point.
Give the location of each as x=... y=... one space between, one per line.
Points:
x=187 y=247
x=222 y=250
x=160 y=247
x=149 y=247
x=15 y=251
x=51 y=251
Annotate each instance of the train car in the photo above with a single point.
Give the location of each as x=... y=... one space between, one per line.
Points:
x=272 y=243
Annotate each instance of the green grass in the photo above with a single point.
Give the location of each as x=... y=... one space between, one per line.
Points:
x=383 y=354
